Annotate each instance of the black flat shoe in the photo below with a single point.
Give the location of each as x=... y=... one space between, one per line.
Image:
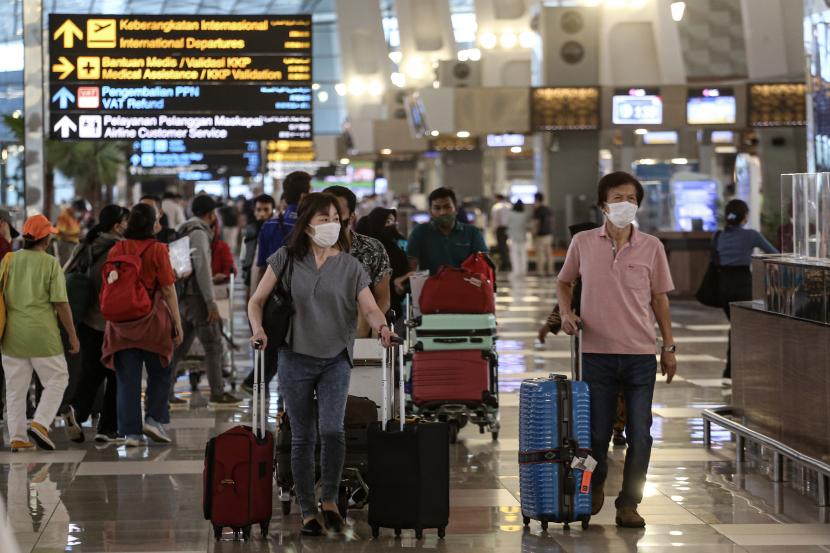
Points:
x=312 y=528
x=333 y=521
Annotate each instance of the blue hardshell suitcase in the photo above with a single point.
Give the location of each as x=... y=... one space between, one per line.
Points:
x=554 y=428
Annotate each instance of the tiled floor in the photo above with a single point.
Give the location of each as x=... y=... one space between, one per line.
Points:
x=89 y=499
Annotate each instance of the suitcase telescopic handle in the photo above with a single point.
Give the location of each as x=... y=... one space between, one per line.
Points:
x=576 y=353
x=259 y=404
x=392 y=357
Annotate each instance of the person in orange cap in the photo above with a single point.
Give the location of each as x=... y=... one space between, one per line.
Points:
x=34 y=289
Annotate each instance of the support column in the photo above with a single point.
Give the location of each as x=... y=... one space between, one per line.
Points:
x=33 y=55
x=568 y=177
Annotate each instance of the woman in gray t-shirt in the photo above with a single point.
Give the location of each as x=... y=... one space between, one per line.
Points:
x=327 y=287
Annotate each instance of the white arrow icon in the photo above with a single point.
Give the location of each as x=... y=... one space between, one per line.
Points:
x=65 y=126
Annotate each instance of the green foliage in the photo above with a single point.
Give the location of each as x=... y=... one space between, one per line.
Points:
x=90 y=164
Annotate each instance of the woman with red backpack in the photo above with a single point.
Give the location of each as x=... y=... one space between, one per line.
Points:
x=138 y=301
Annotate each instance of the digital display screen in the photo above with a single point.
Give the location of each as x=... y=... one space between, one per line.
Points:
x=695 y=199
x=420 y=217
x=711 y=106
x=358 y=176
x=637 y=107
x=723 y=137
x=416 y=116
x=505 y=140
x=660 y=138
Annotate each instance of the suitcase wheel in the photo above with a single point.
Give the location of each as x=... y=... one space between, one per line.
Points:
x=246 y=533
x=419 y=533
x=286 y=507
x=217 y=532
x=495 y=436
x=397 y=532
x=526 y=521
x=566 y=526
x=236 y=534
x=453 y=427
x=263 y=527
x=544 y=525
x=375 y=531
x=585 y=523
x=195 y=377
x=442 y=532
x=343 y=501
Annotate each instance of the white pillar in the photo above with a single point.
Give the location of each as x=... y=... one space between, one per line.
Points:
x=33 y=104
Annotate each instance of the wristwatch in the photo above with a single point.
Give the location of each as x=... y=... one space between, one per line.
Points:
x=669 y=349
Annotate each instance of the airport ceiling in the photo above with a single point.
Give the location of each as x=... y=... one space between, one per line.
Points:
x=11 y=25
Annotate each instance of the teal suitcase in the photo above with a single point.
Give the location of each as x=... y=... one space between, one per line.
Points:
x=455 y=332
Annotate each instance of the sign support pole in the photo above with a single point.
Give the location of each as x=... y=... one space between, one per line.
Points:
x=33 y=104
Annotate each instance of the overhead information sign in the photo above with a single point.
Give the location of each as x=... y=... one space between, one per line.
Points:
x=180 y=77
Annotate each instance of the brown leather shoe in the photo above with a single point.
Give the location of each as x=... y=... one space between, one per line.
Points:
x=628 y=517
x=597 y=499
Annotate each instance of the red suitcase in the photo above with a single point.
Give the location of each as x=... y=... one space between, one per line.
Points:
x=457 y=291
x=451 y=377
x=239 y=471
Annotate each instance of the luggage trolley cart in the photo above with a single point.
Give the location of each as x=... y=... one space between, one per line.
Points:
x=463 y=357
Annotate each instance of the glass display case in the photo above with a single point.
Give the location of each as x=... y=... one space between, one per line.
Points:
x=797 y=282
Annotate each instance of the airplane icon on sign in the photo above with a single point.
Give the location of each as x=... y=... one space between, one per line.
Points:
x=100 y=33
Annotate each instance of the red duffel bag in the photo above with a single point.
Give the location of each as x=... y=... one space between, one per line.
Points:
x=480 y=262
x=457 y=291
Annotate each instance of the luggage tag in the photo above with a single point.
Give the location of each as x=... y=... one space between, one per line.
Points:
x=474 y=281
x=587 y=464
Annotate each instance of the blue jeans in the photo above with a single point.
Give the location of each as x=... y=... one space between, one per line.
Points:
x=128 y=365
x=300 y=377
x=634 y=375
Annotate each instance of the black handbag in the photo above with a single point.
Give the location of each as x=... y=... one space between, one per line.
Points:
x=709 y=291
x=276 y=316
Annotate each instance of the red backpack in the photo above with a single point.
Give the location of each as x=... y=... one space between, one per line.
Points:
x=123 y=296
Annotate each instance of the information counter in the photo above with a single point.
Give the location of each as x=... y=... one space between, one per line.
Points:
x=688 y=254
x=781 y=354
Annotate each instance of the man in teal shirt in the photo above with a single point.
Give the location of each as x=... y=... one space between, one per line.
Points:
x=444 y=240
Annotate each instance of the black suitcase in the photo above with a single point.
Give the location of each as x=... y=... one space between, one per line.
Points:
x=409 y=470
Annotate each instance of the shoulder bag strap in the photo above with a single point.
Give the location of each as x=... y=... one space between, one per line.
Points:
x=7 y=265
x=715 y=256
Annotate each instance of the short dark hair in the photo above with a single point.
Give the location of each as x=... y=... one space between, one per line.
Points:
x=295 y=185
x=141 y=224
x=615 y=180
x=442 y=192
x=343 y=192
x=265 y=199
x=31 y=243
x=299 y=242
x=152 y=197
x=539 y=197
x=735 y=212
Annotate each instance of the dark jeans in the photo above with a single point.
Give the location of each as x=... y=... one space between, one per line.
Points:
x=634 y=375
x=734 y=284
x=128 y=364
x=93 y=373
x=504 y=249
x=194 y=314
x=300 y=377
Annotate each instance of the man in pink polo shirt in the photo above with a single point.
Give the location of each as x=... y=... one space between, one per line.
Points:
x=625 y=281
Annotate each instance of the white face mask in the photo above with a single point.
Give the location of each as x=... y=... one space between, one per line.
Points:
x=326 y=235
x=621 y=214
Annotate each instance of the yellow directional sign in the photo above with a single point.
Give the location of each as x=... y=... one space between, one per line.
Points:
x=64 y=67
x=69 y=31
x=100 y=33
